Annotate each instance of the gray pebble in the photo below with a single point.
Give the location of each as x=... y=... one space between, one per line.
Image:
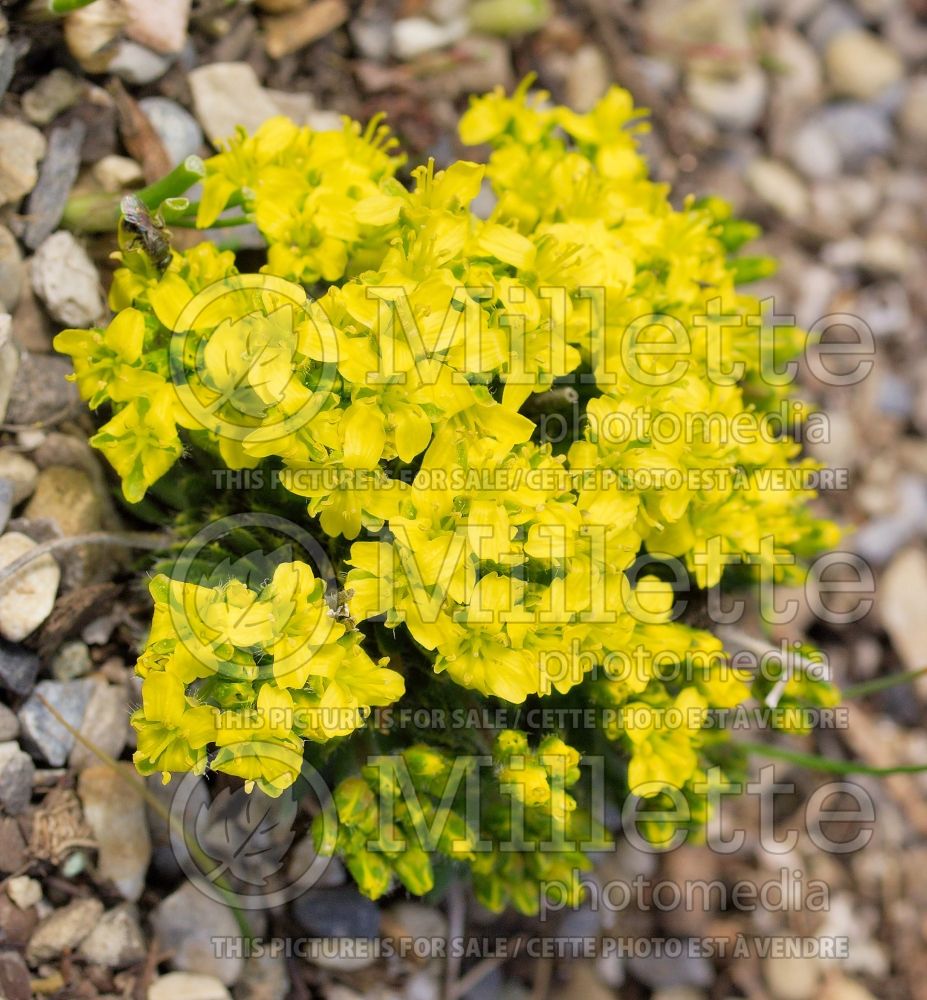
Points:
x=16 y=771
x=178 y=129
x=339 y=912
x=43 y=735
x=18 y=668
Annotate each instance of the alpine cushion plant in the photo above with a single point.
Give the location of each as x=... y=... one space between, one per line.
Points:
x=395 y=370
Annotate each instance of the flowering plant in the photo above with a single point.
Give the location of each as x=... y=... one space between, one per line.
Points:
x=491 y=421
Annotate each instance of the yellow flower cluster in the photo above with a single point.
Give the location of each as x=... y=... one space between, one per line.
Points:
x=390 y=821
x=242 y=677
x=397 y=402
x=315 y=196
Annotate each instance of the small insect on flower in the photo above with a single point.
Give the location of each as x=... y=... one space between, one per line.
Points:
x=141 y=231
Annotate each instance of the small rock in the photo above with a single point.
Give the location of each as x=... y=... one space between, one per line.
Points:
x=187 y=923
x=338 y=912
x=6 y=502
x=90 y=32
x=814 y=151
x=41 y=391
x=21 y=149
x=733 y=102
x=779 y=187
x=661 y=972
x=63 y=930
x=18 y=668
x=7 y=63
x=792 y=978
x=860 y=131
x=105 y=725
x=18 y=470
x=860 y=64
x=162 y=27
x=32 y=328
x=116 y=941
x=830 y=20
x=886 y=254
x=841 y=988
x=679 y=993
x=115 y=811
x=11 y=270
x=65 y=279
x=188 y=986
x=117 y=173
x=796 y=79
x=43 y=735
x=583 y=982
x=9 y=724
x=588 y=78
x=13 y=858
x=9 y=364
x=226 y=95
x=24 y=891
x=291 y=32
x=56 y=178
x=484 y=63
x=422 y=985
x=26 y=598
x=913 y=114
x=54 y=93
x=16 y=771
x=176 y=127
x=66 y=497
x=414 y=36
x=71 y=661
x=15 y=981
x=137 y=65
x=370 y=34
x=265 y=978
x=902 y=616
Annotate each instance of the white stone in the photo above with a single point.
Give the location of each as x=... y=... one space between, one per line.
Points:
x=861 y=65
x=65 y=279
x=115 y=173
x=27 y=598
x=21 y=149
x=792 y=978
x=414 y=36
x=588 y=78
x=901 y=605
x=19 y=471
x=736 y=102
x=136 y=64
x=115 y=812
x=24 y=891
x=63 y=930
x=9 y=362
x=779 y=187
x=161 y=26
x=187 y=986
x=226 y=95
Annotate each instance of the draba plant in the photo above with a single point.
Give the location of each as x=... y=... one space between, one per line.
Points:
x=521 y=438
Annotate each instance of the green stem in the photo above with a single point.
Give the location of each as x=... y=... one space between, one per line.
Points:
x=238 y=220
x=174 y=184
x=817 y=763
x=66 y=6
x=98 y=212
x=882 y=684
x=91 y=213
